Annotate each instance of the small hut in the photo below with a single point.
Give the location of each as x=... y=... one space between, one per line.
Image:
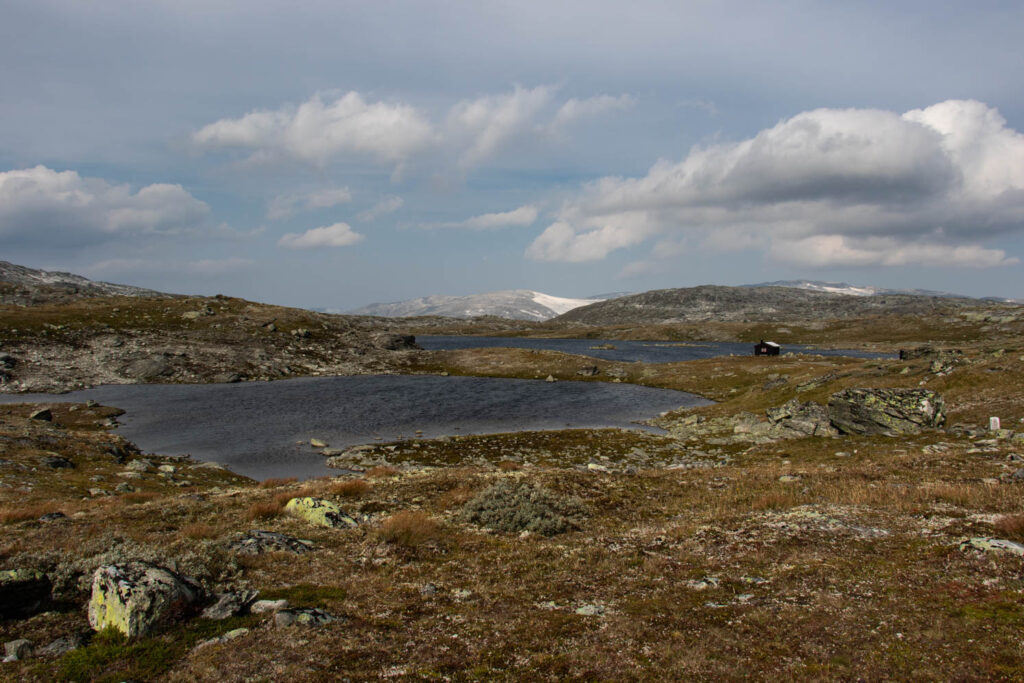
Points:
x=764 y=348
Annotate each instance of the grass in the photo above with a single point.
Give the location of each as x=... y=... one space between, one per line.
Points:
x=15 y=514
x=350 y=488
x=409 y=529
x=263 y=510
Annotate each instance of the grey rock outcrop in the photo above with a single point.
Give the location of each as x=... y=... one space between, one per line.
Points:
x=886 y=411
x=230 y=605
x=794 y=418
x=396 y=342
x=257 y=542
x=137 y=597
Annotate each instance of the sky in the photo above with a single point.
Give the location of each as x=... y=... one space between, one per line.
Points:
x=330 y=154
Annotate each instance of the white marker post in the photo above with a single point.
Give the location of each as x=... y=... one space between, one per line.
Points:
x=993 y=424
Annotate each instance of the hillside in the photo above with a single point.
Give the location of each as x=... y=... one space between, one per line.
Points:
x=516 y=304
x=741 y=304
x=26 y=286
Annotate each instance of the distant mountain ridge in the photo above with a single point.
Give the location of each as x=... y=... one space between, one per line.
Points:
x=852 y=290
x=752 y=303
x=516 y=304
x=45 y=284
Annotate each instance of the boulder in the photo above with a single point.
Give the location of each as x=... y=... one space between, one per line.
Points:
x=301 y=617
x=15 y=650
x=61 y=646
x=589 y=371
x=56 y=462
x=148 y=368
x=258 y=542
x=137 y=597
x=23 y=592
x=794 y=418
x=985 y=544
x=43 y=415
x=319 y=512
x=886 y=411
x=230 y=605
x=396 y=342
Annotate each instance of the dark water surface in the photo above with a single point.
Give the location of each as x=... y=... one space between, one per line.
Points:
x=252 y=427
x=627 y=351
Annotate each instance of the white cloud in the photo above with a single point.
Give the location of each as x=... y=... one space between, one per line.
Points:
x=381 y=208
x=337 y=235
x=284 y=206
x=482 y=126
x=470 y=133
x=932 y=182
x=61 y=208
x=575 y=109
x=315 y=131
x=521 y=217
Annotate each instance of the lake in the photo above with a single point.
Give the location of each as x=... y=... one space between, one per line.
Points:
x=253 y=427
x=626 y=351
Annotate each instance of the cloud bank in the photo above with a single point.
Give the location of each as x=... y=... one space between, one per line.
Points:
x=337 y=235
x=828 y=187
x=43 y=207
x=284 y=206
x=472 y=131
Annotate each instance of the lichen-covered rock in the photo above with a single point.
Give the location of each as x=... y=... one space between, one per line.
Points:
x=258 y=542
x=794 y=418
x=23 y=592
x=993 y=545
x=301 y=617
x=318 y=512
x=886 y=411
x=136 y=597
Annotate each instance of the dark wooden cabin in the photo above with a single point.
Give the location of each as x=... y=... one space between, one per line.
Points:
x=764 y=348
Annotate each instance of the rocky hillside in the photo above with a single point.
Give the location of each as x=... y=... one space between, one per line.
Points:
x=740 y=304
x=27 y=286
x=517 y=304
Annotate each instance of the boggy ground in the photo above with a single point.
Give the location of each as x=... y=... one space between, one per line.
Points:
x=705 y=556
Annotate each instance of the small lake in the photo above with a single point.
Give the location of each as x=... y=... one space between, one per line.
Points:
x=253 y=427
x=626 y=351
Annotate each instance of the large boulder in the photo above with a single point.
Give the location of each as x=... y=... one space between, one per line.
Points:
x=396 y=342
x=136 y=597
x=318 y=512
x=23 y=592
x=886 y=411
x=795 y=419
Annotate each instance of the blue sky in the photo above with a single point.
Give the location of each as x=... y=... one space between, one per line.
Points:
x=333 y=154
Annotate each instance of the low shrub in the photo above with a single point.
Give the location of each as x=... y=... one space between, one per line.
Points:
x=199 y=531
x=274 y=482
x=1011 y=526
x=409 y=528
x=267 y=509
x=510 y=506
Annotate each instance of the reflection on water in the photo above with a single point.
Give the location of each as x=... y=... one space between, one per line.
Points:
x=252 y=427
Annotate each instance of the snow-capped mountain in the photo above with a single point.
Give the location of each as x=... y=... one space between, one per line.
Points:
x=517 y=304
x=844 y=288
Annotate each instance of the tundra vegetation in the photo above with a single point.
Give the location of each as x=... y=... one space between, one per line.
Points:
x=740 y=542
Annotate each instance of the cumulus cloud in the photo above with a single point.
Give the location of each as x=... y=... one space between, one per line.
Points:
x=471 y=132
x=835 y=187
x=41 y=206
x=381 y=208
x=315 y=131
x=337 y=235
x=287 y=205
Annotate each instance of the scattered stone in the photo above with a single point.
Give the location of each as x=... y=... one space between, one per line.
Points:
x=258 y=542
x=52 y=517
x=262 y=606
x=227 y=378
x=595 y=467
x=317 y=443
x=302 y=617
x=234 y=634
x=230 y=605
x=992 y=544
x=62 y=646
x=396 y=342
x=816 y=382
x=125 y=487
x=148 y=368
x=589 y=371
x=318 y=512
x=16 y=650
x=139 y=465
x=167 y=469
x=886 y=411
x=23 y=592
x=57 y=463
x=550 y=378
x=590 y=610
x=703 y=584
x=98 y=493
x=43 y=415
x=428 y=589
x=136 y=597
x=789 y=478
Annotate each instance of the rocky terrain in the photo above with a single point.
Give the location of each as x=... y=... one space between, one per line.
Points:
x=739 y=304
x=26 y=286
x=827 y=517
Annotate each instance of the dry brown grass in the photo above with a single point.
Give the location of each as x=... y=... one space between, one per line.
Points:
x=455 y=497
x=409 y=528
x=199 y=531
x=281 y=499
x=267 y=509
x=138 y=497
x=509 y=466
x=381 y=472
x=274 y=482
x=12 y=515
x=350 y=488
x=1011 y=526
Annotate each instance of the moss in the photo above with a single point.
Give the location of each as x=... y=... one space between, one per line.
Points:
x=305 y=594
